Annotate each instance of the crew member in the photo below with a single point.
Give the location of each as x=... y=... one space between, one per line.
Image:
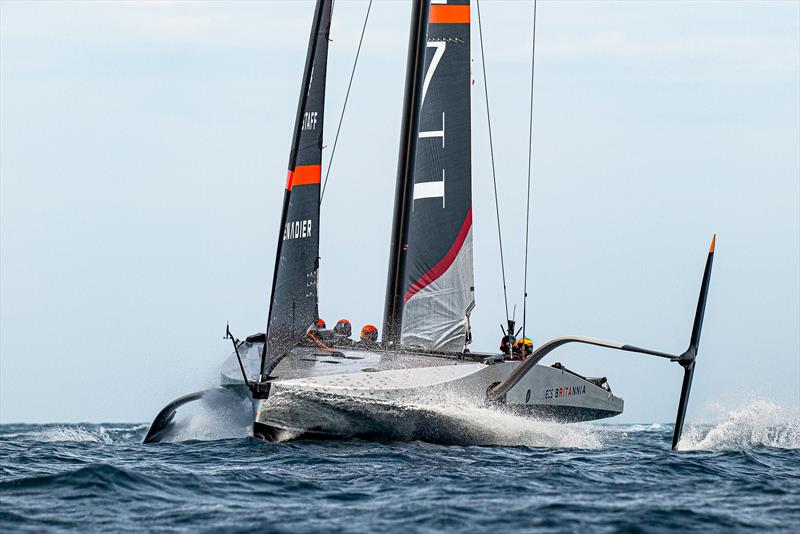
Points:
x=343 y=328
x=506 y=343
x=369 y=335
x=320 y=331
x=342 y=332
x=523 y=348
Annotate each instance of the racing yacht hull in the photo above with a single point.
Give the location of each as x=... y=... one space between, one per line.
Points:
x=372 y=393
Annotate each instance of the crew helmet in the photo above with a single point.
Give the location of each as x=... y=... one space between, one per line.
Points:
x=369 y=334
x=506 y=343
x=321 y=324
x=523 y=347
x=343 y=328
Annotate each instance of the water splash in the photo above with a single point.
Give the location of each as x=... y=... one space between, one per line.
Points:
x=639 y=427
x=486 y=426
x=368 y=486
x=79 y=434
x=760 y=423
x=209 y=424
x=219 y=415
x=446 y=423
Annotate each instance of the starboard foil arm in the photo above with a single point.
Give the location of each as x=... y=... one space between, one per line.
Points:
x=167 y=414
x=686 y=359
x=224 y=400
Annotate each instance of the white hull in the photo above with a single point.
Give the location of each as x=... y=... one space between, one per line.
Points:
x=356 y=392
x=369 y=400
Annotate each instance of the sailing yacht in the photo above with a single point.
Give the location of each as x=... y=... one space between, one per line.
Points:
x=306 y=382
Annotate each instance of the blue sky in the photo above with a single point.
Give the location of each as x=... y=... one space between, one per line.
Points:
x=143 y=149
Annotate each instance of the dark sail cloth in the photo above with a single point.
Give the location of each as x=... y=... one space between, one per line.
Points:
x=293 y=304
x=438 y=282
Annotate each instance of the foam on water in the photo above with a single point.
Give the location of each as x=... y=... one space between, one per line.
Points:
x=209 y=424
x=603 y=477
x=760 y=423
x=449 y=422
x=646 y=427
x=79 y=434
x=495 y=427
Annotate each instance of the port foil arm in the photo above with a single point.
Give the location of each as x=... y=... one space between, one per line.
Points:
x=538 y=355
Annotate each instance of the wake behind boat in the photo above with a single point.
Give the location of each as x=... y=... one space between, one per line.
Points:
x=304 y=380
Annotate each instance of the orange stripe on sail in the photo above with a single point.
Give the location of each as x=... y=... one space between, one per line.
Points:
x=445 y=14
x=303 y=175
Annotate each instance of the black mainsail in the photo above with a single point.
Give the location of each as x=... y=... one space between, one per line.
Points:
x=293 y=303
x=437 y=271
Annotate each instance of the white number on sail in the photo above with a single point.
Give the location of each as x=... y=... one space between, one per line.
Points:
x=432 y=189
x=437 y=56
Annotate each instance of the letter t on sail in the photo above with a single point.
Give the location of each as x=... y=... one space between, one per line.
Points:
x=430 y=190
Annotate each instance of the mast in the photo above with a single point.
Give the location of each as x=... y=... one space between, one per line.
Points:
x=293 y=298
x=404 y=188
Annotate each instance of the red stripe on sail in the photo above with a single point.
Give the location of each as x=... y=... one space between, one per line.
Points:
x=440 y=268
x=303 y=175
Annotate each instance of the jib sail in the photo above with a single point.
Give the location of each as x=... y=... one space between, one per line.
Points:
x=293 y=303
x=438 y=292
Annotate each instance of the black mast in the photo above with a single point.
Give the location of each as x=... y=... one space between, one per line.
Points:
x=393 y=311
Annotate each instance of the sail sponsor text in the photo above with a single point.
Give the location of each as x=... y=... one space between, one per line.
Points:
x=297 y=229
x=566 y=391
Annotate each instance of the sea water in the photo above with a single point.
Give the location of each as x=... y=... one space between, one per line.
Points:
x=740 y=473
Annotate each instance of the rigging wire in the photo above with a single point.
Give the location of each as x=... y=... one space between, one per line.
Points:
x=530 y=159
x=344 y=106
x=491 y=151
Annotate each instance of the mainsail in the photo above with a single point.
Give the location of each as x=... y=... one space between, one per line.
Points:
x=293 y=303
x=438 y=292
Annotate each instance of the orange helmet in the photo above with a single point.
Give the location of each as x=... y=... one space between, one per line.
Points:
x=343 y=328
x=369 y=333
x=523 y=347
x=321 y=324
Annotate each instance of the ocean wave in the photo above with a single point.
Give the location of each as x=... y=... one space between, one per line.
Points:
x=760 y=423
x=99 y=477
x=78 y=434
x=561 y=478
x=638 y=427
